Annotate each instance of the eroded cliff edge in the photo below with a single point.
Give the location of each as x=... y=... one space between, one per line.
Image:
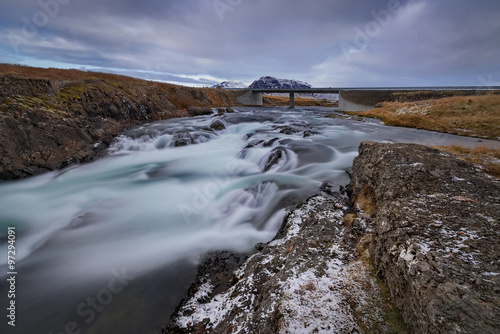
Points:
x=47 y=123
x=436 y=240
x=419 y=219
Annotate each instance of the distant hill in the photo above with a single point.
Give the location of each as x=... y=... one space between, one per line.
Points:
x=272 y=82
x=265 y=82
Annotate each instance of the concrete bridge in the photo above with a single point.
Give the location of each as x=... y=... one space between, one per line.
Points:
x=350 y=99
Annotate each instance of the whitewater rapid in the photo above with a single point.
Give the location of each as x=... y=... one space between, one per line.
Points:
x=166 y=193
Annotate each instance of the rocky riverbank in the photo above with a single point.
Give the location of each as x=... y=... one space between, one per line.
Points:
x=425 y=222
x=48 y=123
x=436 y=242
x=309 y=279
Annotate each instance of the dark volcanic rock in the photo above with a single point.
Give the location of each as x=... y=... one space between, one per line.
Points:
x=437 y=239
x=270 y=142
x=182 y=138
x=222 y=111
x=287 y=130
x=327 y=188
x=197 y=111
x=304 y=281
x=274 y=157
x=217 y=125
x=11 y=85
x=296 y=129
x=256 y=143
x=309 y=133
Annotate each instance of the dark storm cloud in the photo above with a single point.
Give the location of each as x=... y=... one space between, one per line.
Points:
x=327 y=43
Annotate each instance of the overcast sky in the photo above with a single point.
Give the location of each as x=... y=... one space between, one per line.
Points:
x=328 y=43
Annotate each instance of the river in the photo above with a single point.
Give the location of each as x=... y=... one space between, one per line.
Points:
x=111 y=246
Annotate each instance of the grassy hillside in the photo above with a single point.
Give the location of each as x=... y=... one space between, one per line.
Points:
x=475 y=116
x=180 y=96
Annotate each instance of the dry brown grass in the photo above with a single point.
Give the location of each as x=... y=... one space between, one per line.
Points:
x=76 y=75
x=365 y=201
x=182 y=97
x=487 y=158
x=300 y=102
x=309 y=286
x=60 y=74
x=477 y=116
x=348 y=219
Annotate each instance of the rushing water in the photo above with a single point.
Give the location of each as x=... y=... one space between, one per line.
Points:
x=110 y=247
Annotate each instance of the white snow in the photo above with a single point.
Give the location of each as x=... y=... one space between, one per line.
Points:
x=215 y=310
x=231 y=84
x=316 y=304
x=415 y=109
x=488 y=219
x=425 y=247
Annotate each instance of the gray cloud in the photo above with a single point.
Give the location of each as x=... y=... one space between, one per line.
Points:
x=328 y=43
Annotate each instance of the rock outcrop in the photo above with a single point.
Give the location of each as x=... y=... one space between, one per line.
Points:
x=47 y=123
x=436 y=239
x=309 y=279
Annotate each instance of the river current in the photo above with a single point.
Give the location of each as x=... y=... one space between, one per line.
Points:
x=111 y=246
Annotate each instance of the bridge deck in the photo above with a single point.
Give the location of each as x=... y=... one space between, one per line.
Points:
x=330 y=90
x=253 y=96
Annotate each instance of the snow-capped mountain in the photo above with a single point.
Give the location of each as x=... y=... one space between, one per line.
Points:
x=272 y=82
x=231 y=84
x=265 y=82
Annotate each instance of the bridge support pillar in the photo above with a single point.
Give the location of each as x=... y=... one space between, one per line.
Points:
x=347 y=105
x=292 y=100
x=250 y=98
